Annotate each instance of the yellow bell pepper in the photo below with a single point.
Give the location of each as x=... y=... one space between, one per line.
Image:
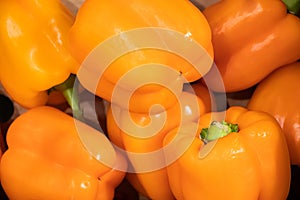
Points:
x=34 y=53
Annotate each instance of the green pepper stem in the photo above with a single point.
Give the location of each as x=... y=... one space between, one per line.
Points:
x=293 y=6
x=68 y=91
x=217 y=130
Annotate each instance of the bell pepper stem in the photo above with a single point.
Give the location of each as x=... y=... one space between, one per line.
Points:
x=293 y=6
x=68 y=91
x=217 y=130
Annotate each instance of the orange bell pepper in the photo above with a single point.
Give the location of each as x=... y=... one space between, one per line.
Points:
x=201 y=90
x=244 y=157
x=47 y=160
x=137 y=133
x=98 y=22
x=34 y=49
x=251 y=38
x=278 y=95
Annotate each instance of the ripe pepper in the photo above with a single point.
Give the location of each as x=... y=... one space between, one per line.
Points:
x=91 y=29
x=278 y=95
x=34 y=49
x=137 y=133
x=47 y=160
x=202 y=91
x=251 y=38
x=241 y=156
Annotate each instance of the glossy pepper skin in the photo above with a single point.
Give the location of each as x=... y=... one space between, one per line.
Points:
x=47 y=160
x=134 y=139
x=278 y=95
x=90 y=29
x=34 y=49
x=251 y=38
x=202 y=91
x=252 y=163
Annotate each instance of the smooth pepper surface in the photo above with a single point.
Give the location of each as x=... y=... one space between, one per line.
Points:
x=250 y=163
x=251 y=38
x=34 y=55
x=278 y=94
x=98 y=21
x=138 y=133
x=47 y=160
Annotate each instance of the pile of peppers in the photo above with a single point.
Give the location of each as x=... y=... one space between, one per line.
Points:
x=162 y=69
